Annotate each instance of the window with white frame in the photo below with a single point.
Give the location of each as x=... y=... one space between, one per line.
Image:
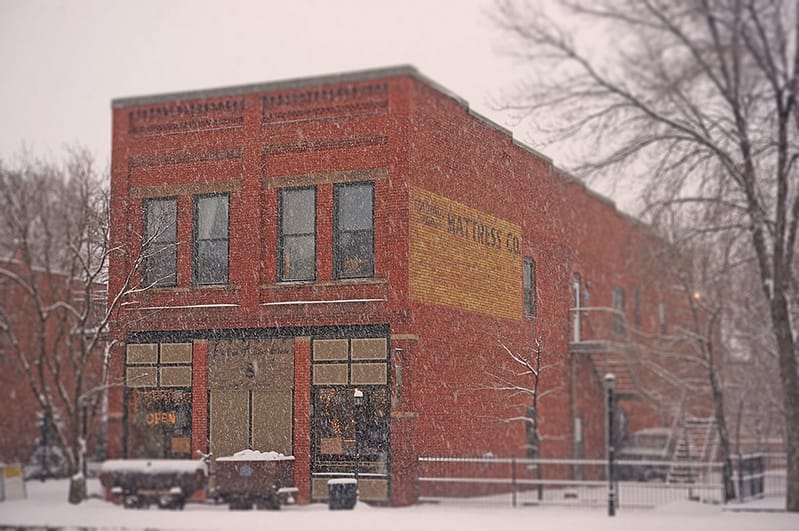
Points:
x=297 y=245
x=211 y=239
x=159 y=267
x=354 y=246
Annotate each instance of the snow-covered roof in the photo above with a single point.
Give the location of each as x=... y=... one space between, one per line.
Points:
x=342 y=481
x=153 y=465
x=255 y=455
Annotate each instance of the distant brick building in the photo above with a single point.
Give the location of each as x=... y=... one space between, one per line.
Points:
x=366 y=230
x=32 y=328
x=19 y=421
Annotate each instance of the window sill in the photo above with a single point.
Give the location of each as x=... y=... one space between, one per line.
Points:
x=189 y=289
x=325 y=283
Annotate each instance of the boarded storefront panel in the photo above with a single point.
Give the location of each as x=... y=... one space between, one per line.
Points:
x=271 y=422
x=229 y=410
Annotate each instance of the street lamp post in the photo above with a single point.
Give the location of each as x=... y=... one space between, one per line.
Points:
x=610 y=383
x=358 y=396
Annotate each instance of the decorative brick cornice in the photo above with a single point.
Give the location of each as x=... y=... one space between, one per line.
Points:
x=171 y=118
x=185 y=157
x=325 y=103
x=325 y=144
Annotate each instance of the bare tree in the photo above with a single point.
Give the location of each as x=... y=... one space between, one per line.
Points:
x=696 y=99
x=693 y=350
x=54 y=224
x=522 y=377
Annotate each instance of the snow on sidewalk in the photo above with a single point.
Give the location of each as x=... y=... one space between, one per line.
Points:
x=46 y=506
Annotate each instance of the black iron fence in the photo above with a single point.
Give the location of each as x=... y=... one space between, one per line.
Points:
x=584 y=482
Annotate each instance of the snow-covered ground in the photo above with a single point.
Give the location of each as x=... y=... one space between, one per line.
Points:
x=46 y=506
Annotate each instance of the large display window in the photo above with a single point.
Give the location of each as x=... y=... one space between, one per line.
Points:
x=351 y=437
x=159 y=423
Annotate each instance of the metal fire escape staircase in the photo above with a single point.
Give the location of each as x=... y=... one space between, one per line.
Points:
x=601 y=333
x=698 y=443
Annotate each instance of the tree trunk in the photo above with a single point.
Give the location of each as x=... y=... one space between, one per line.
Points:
x=717 y=391
x=77 y=488
x=790 y=390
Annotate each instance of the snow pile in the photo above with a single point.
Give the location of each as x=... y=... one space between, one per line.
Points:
x=153 y=465
x=255 y=455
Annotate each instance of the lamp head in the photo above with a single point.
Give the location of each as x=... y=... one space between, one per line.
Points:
x=358 y=396
x=610 y=381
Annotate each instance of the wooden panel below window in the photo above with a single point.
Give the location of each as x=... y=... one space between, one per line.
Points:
x=319 y=489
x=373 y=489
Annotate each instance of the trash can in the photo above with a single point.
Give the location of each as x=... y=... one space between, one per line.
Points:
x=342 y=493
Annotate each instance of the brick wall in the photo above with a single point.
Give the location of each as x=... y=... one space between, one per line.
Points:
x=448 y=306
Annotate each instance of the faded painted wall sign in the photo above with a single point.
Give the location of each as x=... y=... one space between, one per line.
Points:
x=462 y=257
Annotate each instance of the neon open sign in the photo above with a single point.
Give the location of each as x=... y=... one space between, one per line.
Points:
x=161 y=417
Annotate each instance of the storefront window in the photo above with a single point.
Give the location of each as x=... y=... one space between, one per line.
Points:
x=342 y=429
x=159 y=423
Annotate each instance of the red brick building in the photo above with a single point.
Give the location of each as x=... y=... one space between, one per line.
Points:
x=35 y=354
x=367 y=230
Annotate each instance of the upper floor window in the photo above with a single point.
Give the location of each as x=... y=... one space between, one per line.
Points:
x=662 y=322
x=354 y=250
x=619 y=306
x=637 y=307
x=297 y=245
x=529 y=287
x=159 y=267
x=211 y=238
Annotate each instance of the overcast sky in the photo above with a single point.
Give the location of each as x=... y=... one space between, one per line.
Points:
x=64 y=61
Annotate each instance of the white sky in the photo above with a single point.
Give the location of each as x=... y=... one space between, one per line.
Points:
x=63 y=61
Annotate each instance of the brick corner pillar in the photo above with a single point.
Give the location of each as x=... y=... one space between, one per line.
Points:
x=302 y=418
x=116 y=404
x=403 y=458
x=199 y=399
